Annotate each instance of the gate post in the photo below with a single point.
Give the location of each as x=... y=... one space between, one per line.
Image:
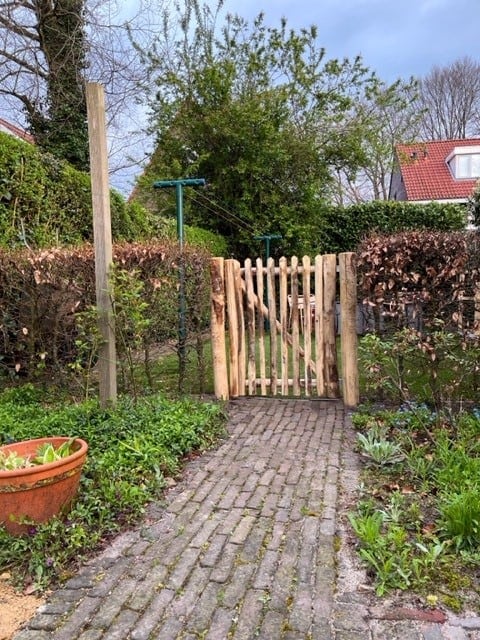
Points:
x=348 y=332
x=219 y=354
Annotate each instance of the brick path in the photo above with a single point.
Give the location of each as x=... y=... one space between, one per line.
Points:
x=248 y=545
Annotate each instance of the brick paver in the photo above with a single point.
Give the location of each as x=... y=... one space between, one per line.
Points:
x=245 y=547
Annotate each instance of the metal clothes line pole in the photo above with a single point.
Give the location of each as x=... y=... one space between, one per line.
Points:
x=267 y=239
x=182 y=332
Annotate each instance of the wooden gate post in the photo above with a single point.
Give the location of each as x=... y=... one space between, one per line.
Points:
x=348 y=309
x=233 y=382
x=219 y=354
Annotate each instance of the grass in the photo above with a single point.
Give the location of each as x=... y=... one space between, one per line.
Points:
x=132 y=450
x=418 y=516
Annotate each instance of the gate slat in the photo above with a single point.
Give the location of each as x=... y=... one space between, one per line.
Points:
x=261 y=330
x=294 y=326
x=219 y=353
x=251 y=369
x=330 y=346
x=319 y=352
x=307 y=323
x=242 y=368
x=272 y=316
x=283 y=283
x=232 y=328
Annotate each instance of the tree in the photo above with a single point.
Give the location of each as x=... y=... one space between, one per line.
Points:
x=385 y=116
x=449 y=98
x=42 y=64
x=258 y=112
x=49 y=48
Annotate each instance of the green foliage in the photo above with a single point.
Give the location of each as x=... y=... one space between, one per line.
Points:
x=131 y=450
x=437 y=367
x=255 y=110
x=378 y=449
x=215 y=244
x=418 y=523
x=45 y=202
x=460 y=515
x=343 y=228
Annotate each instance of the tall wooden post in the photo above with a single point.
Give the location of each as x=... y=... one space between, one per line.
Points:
x=102 y=234
x=220 y=372
x=348 y=308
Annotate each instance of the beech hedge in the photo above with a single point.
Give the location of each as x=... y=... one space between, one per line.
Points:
x=424 y=278
x=44 y=293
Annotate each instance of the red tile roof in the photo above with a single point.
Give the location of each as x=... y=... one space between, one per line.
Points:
x=16 y=131
x=425 y=173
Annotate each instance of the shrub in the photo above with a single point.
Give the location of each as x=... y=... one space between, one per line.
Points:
x=46 y=300
x=343 y=228
x=132 y=449
x=46 y=202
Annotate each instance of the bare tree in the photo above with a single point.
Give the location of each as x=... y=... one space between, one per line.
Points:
x=49 y=48
x=385 y=116
x=450 y=99
x=42 y=60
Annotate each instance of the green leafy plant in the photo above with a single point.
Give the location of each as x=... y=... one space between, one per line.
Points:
x=377 y=449
x=132 y=449
x=44 y=454
x=418 y=523
x=460 y=518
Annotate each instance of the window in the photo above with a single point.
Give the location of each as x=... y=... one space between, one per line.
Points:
x=468 y=166
x=464 y=162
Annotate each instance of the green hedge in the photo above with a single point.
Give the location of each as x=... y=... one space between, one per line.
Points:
x=45 y=201
x=343 y=228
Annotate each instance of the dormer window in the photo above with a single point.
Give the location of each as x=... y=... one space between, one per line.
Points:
x=464 y=162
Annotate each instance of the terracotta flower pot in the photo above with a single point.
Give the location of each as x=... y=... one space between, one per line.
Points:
x=37 y=493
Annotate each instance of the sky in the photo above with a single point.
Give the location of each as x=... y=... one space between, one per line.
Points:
x=396 y=38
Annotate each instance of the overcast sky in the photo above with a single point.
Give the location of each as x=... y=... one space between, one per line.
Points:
x=396 y=38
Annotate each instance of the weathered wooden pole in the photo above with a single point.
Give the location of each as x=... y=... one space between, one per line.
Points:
x=102 y=235
x=220 y=371
x=348 y=309
x=233 y=329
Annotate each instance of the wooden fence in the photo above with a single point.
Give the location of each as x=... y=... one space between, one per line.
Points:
x=282 y=333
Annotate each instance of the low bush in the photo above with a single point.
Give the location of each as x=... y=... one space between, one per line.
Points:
x=417 y=520
x=132 y=449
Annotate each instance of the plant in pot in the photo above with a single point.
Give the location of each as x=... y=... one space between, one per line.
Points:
x=38 y=480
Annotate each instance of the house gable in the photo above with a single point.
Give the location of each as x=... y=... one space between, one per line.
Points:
x=443 y=170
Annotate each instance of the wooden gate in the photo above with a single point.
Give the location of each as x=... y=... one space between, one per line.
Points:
x=284 y=322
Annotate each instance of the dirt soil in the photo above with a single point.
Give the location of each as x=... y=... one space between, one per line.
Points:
x=15 y=608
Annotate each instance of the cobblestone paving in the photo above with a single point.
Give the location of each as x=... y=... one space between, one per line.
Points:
x=246 y=546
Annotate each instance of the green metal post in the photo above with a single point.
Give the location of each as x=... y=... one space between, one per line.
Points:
x=179 y=209
x=182 y=332
x=267 y=238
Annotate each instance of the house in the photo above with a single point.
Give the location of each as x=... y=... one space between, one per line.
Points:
x=14 y=130
x=442 y=170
